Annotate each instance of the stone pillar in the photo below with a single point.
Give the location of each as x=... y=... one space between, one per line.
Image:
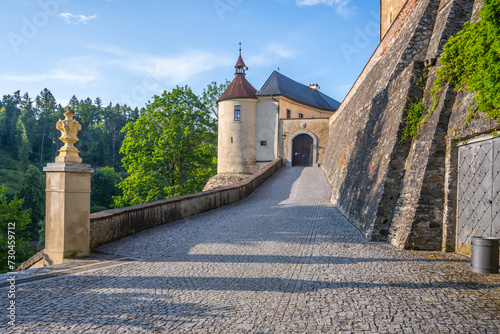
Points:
x=67 y=218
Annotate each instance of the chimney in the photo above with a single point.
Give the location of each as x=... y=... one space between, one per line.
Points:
x=314 y=86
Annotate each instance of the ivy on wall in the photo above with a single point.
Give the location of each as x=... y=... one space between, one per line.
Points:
x=471 y=61
x=413 y=112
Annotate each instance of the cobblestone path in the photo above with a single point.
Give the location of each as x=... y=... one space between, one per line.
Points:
x=281 y=261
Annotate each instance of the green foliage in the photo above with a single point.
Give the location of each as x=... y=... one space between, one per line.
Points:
x=12 y=215
x=7 y=162
x=24 y=148
x=413 y=112
x=32 y=190
x=170 y=150
x=472 y=61
x=104 y=188
x=41 y=234
x=11 y=180
x=211 y=94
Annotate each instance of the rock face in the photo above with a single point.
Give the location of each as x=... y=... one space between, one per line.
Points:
x=403 y=191
x=223 y=180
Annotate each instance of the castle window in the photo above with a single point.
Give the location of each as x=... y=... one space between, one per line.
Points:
x=301 y=115
x=237 y=115
x=263 y=143
x=288 y=113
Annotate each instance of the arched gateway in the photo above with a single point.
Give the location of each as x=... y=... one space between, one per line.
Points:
x=303 y=150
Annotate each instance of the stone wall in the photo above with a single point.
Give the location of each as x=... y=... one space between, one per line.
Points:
x=394 y=190
x=111 y=225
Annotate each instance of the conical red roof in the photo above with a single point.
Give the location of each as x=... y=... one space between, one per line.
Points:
x=239 y=88
x=240 y=63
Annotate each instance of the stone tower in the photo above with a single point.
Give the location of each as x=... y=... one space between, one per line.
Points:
x=389 y=10
x=237 y=125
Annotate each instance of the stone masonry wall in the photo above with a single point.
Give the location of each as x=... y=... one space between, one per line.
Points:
x=395 y=190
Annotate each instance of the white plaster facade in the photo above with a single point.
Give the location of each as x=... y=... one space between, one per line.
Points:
x=236 y=151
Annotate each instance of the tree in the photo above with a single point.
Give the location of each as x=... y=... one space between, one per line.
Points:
x=169 y=150
x=211 y=94
x=49 y=114
x=32 y=191
x=8 y=120
x=104 y=188
x=23 y=143
x=13 y=236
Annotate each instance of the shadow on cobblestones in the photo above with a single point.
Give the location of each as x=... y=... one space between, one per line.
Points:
x=282 y=260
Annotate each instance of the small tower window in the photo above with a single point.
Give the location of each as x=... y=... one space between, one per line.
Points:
x=237 y=113
x=263 y=143
x=301 y=115
x=288 y=113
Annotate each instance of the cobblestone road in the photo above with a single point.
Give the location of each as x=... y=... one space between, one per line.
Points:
x=281 y=261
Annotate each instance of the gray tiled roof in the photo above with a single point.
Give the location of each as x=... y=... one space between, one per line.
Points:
x=278 y=84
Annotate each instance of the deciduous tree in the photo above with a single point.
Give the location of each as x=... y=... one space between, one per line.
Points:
x=169 y=151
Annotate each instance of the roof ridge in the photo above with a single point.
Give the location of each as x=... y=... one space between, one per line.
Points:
x=267 y=81
x=321 y=96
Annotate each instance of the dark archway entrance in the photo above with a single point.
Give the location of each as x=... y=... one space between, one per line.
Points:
x=302 y=149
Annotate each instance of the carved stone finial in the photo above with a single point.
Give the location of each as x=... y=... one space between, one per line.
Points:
x=69 y=128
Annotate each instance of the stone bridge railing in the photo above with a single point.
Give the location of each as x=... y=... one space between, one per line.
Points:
x=114 y=224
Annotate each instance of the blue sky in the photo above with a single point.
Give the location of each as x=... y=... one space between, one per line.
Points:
x=128 y=51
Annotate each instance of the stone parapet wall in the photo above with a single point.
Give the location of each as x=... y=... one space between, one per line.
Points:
x=111 y=225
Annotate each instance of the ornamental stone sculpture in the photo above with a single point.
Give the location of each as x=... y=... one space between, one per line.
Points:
x=69 y=128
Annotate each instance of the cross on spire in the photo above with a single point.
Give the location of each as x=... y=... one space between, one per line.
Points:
x=240 y=48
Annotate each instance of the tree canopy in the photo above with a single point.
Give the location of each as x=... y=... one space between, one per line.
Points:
x=14 y=245
x=170 y=150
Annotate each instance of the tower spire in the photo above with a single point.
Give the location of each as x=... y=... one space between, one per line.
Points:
x=240 y=65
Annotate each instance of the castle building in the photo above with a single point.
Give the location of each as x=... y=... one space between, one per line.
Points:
x=283 y=119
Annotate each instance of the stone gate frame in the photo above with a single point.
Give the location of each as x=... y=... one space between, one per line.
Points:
x=315 y=146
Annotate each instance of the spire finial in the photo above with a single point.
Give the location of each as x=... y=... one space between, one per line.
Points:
x=240 y=48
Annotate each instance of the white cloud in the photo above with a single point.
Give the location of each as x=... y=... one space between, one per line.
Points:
x=271 y=54
x=341 y=6
x=154 y=72
x=70 y=71
x=70 y=18
x=176 y=69
x=56 y=75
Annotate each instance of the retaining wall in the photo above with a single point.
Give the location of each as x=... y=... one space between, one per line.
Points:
x=392 y=189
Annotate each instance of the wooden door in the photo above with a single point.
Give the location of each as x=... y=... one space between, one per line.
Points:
x=302 y=151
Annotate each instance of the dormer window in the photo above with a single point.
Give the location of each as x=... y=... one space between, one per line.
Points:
x=237 y=113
